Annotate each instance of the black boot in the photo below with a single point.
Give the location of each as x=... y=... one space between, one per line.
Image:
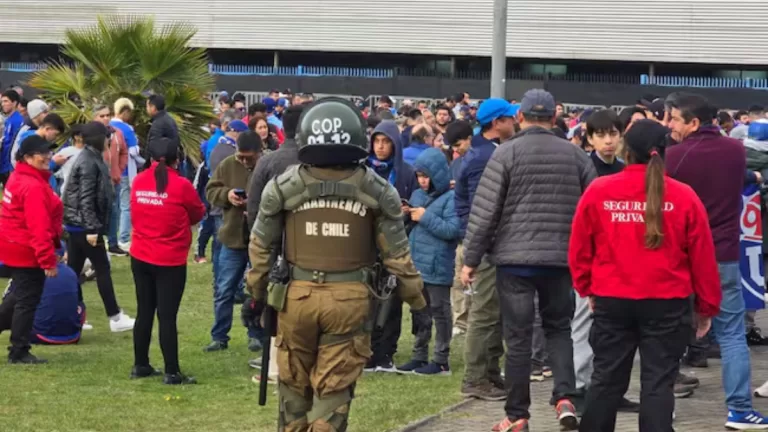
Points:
x=755 y=338
x=144 y=372
x=178 y=379
x=26 y=358
x=696 y=359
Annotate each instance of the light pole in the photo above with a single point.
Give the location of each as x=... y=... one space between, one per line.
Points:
x=499 y=50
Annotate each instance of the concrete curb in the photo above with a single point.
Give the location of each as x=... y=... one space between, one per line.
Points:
x=410 y=427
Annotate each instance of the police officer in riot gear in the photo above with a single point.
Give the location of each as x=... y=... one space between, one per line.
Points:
x=333 y=217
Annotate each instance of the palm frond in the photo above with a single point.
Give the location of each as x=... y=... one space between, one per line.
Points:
x=126 y=56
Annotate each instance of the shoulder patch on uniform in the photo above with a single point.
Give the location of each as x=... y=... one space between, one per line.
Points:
x=271 y=199
x=291 y=187
x=389 y=203
x=373 y=184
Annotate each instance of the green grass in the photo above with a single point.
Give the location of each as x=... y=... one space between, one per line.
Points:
x=85 y=387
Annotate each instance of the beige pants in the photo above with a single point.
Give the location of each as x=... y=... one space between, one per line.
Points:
x=272 y=360
x=459 y=301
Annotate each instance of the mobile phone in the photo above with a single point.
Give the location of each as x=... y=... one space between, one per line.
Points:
x=241 y=193
x=405 y=202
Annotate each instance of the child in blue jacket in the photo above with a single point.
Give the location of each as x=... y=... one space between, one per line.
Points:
x=433 y=241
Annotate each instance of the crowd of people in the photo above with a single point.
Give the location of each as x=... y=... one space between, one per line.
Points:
x=562 y=240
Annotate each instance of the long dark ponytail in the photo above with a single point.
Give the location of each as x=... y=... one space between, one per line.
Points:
x=645 y=143
x=654 y=201
x=161 y=176
x=165 y=152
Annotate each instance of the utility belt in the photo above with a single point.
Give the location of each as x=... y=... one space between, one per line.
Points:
x=381 y=286
x=362 y=275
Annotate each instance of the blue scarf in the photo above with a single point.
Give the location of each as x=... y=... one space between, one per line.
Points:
x=383 y=168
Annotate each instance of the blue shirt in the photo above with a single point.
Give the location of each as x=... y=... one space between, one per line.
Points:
x=210 y=145
x=130 y=137
x=271 y=119
x=12 y=125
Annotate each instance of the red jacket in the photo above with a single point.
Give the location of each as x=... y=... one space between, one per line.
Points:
x=607 y=253
x=30 y=220
x=162 y=223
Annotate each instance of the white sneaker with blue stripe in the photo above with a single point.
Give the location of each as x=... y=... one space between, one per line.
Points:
x=750 y=420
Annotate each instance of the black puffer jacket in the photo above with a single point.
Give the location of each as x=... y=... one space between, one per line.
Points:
x=524 y=204
x=163 y=126
x=89 y=193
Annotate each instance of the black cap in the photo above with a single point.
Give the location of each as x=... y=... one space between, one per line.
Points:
x=163 y=149
x=657 y=108
x=34 y=144
x=94 y=129
x=386 y=99
x=646 y=136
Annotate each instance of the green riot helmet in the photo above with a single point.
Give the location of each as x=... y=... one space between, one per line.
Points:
x=331 y=132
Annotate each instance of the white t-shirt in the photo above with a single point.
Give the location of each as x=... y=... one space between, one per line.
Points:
x=71 y=154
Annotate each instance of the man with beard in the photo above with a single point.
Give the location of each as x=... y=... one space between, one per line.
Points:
x=443 y=118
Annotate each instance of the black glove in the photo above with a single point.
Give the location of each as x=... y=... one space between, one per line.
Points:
x=250 y=313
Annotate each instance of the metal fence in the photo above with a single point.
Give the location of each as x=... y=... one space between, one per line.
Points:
x=705 y=82
x=388 y=73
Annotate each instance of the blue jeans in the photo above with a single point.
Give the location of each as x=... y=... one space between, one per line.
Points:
x=124 y=235
x=215 y=248
x=206 y=230
x=114 y=218
x=232 y=264
x=728 y=327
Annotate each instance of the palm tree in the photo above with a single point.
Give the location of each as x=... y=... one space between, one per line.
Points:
x=129 y=57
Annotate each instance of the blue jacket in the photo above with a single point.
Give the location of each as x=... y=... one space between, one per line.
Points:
x=399 y=173
x=456 y=167
x=59 y=316
x=405 y=137
x=472 y=167
x=434 y=238
x=12 y=125
x=217 y=134
x=413 y=151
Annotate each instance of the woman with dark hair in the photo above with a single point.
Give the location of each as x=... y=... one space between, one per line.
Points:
x=87 y=200
x=30 y=221
x=630 y=115
x=640 y=248
x=164 y=207
x=261 y=126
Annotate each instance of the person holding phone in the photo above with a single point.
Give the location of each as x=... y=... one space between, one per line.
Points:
x=226 y=190
x=87 y=202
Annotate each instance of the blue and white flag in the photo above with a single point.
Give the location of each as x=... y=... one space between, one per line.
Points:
x=751 y=250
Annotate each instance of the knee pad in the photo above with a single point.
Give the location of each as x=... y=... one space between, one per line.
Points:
x=294 y=407
x=330 y=414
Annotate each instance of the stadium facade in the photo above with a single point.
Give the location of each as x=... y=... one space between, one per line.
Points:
x=585 y=47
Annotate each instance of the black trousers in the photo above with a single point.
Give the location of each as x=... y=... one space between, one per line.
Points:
x=17 y=312
x=556 y=305
x=158 y=288
x=384 y=340
x=78 y=249
x=660 y=329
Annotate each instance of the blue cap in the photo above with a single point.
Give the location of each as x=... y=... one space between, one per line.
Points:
x=270 y=103
x=282 y=102
x=494 y=108
x=237 y=126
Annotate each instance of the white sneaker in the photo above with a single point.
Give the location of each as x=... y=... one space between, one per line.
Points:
x=762 y=391
x=122 y=324
x=457 y=331
x=125 y=246
x=87 y=326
